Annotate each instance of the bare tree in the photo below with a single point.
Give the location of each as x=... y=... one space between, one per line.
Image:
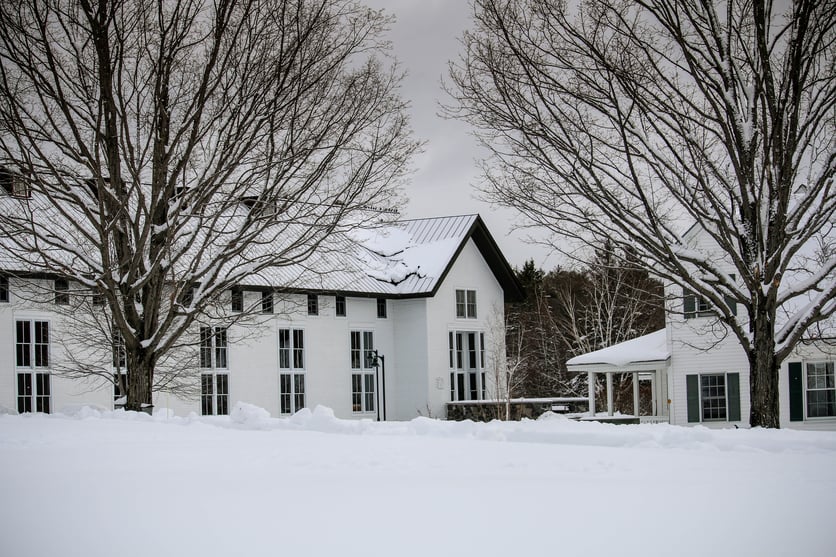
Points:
x=625 y=119
x=161 y=152
x=505 y=359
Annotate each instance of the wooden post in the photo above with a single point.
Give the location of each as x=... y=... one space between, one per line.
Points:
x=590 y=381
x=609 y=394
x=636 y=411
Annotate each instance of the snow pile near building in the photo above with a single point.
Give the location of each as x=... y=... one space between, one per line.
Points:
x=99 y=483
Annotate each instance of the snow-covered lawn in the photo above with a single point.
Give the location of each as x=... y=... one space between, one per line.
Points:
x=124 y=484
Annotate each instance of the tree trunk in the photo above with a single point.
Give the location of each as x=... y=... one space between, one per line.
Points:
x=140 y=376
x=763 y=375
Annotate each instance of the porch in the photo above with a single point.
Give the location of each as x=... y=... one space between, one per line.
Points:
x=646 y=359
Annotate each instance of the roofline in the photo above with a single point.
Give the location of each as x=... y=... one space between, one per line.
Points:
x=487 y=246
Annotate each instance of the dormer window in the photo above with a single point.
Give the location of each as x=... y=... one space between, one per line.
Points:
x=258 y=207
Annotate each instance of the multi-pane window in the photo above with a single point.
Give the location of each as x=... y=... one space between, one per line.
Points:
x=214 y=394
x=14 y=183
x=292 y=392
x=4 y=289
x=381 y=308
x=313 y=304
x=213 y=348
x=120 y=388
x=821 y=390
x=362 y=380
x=266 y=302
x=62 y=291
x=32 y=351
x=713 y=397
x=237 y=299
x=339 y=304
x=467 y=365
x=118 y=350
x=291 y=349
x=466 y=304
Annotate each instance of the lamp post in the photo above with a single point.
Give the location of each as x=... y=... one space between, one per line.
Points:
x=379 y=363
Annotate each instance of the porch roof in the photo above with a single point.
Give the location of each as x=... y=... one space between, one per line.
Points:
x=647 y=352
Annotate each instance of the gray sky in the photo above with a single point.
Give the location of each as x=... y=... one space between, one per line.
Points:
x=425 y=37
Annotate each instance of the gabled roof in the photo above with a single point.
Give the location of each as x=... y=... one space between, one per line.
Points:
x=647 y=349
x=405 y=259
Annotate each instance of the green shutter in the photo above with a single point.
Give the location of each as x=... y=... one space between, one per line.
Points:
x=689 y=301
x=733 y=396
x=692 y=383
x=796 y=392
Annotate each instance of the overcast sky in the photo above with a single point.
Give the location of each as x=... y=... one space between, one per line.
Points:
x=425 y=37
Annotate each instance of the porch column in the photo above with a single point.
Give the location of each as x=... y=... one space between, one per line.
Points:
x=590 y=382
x=636 y=411
x=609 y=394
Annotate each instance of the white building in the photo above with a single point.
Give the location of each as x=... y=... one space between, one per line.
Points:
x=699 y=373
x=422 y=296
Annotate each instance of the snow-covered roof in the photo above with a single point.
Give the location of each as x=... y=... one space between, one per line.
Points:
x=650 y=348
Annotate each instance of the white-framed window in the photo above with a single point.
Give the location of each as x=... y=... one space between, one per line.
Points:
x=467 y=365
x=213 y=348
x=291 y=392
x=62 y=292
x=313 y=304
x=32 y=364
x=291 y=349
x=381 y=308
x=214 y=394
x=362 y=378
x=266 y=302
x=466 y=304
x=4 y=289
x=820 y=390
x=237 y=300
x=713 y=397
x=340 y=308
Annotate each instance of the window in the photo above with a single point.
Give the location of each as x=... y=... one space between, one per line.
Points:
x=381 y=308
x=466 y=304
x=821 y=390
x=118 y=351
x=187 y=296
x=292 y=392
x=339 y=303
x=237 y=300
x=291 y=349
x=467 y=365
x=713 y=397
x=214 y=394
x=213 y=348
x=62 y=294
x=32 y=352
x=120 y=389
x=4 y=289
x=14 y=184
x=96 y=297
x=697 y=306
x=363 y=380
x=313 y=304
x=266 y=302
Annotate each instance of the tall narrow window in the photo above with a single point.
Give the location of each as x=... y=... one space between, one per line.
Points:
x=362 y=380
x=292 y=392
x=381 y=308
x=467 y=365
x=339 y=304
x=62 y=291
x=213 y=348
x=119 y=354
x=32 y=353
x=4 y=289
x=214 y=394
x=291 y=349
x=713 y=397
x=821 y=390
x=313 y=304
x=237 y=300
x=266 y=302
x=466 y=304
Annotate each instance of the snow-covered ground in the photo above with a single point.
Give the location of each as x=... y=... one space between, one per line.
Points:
x=92 y=483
